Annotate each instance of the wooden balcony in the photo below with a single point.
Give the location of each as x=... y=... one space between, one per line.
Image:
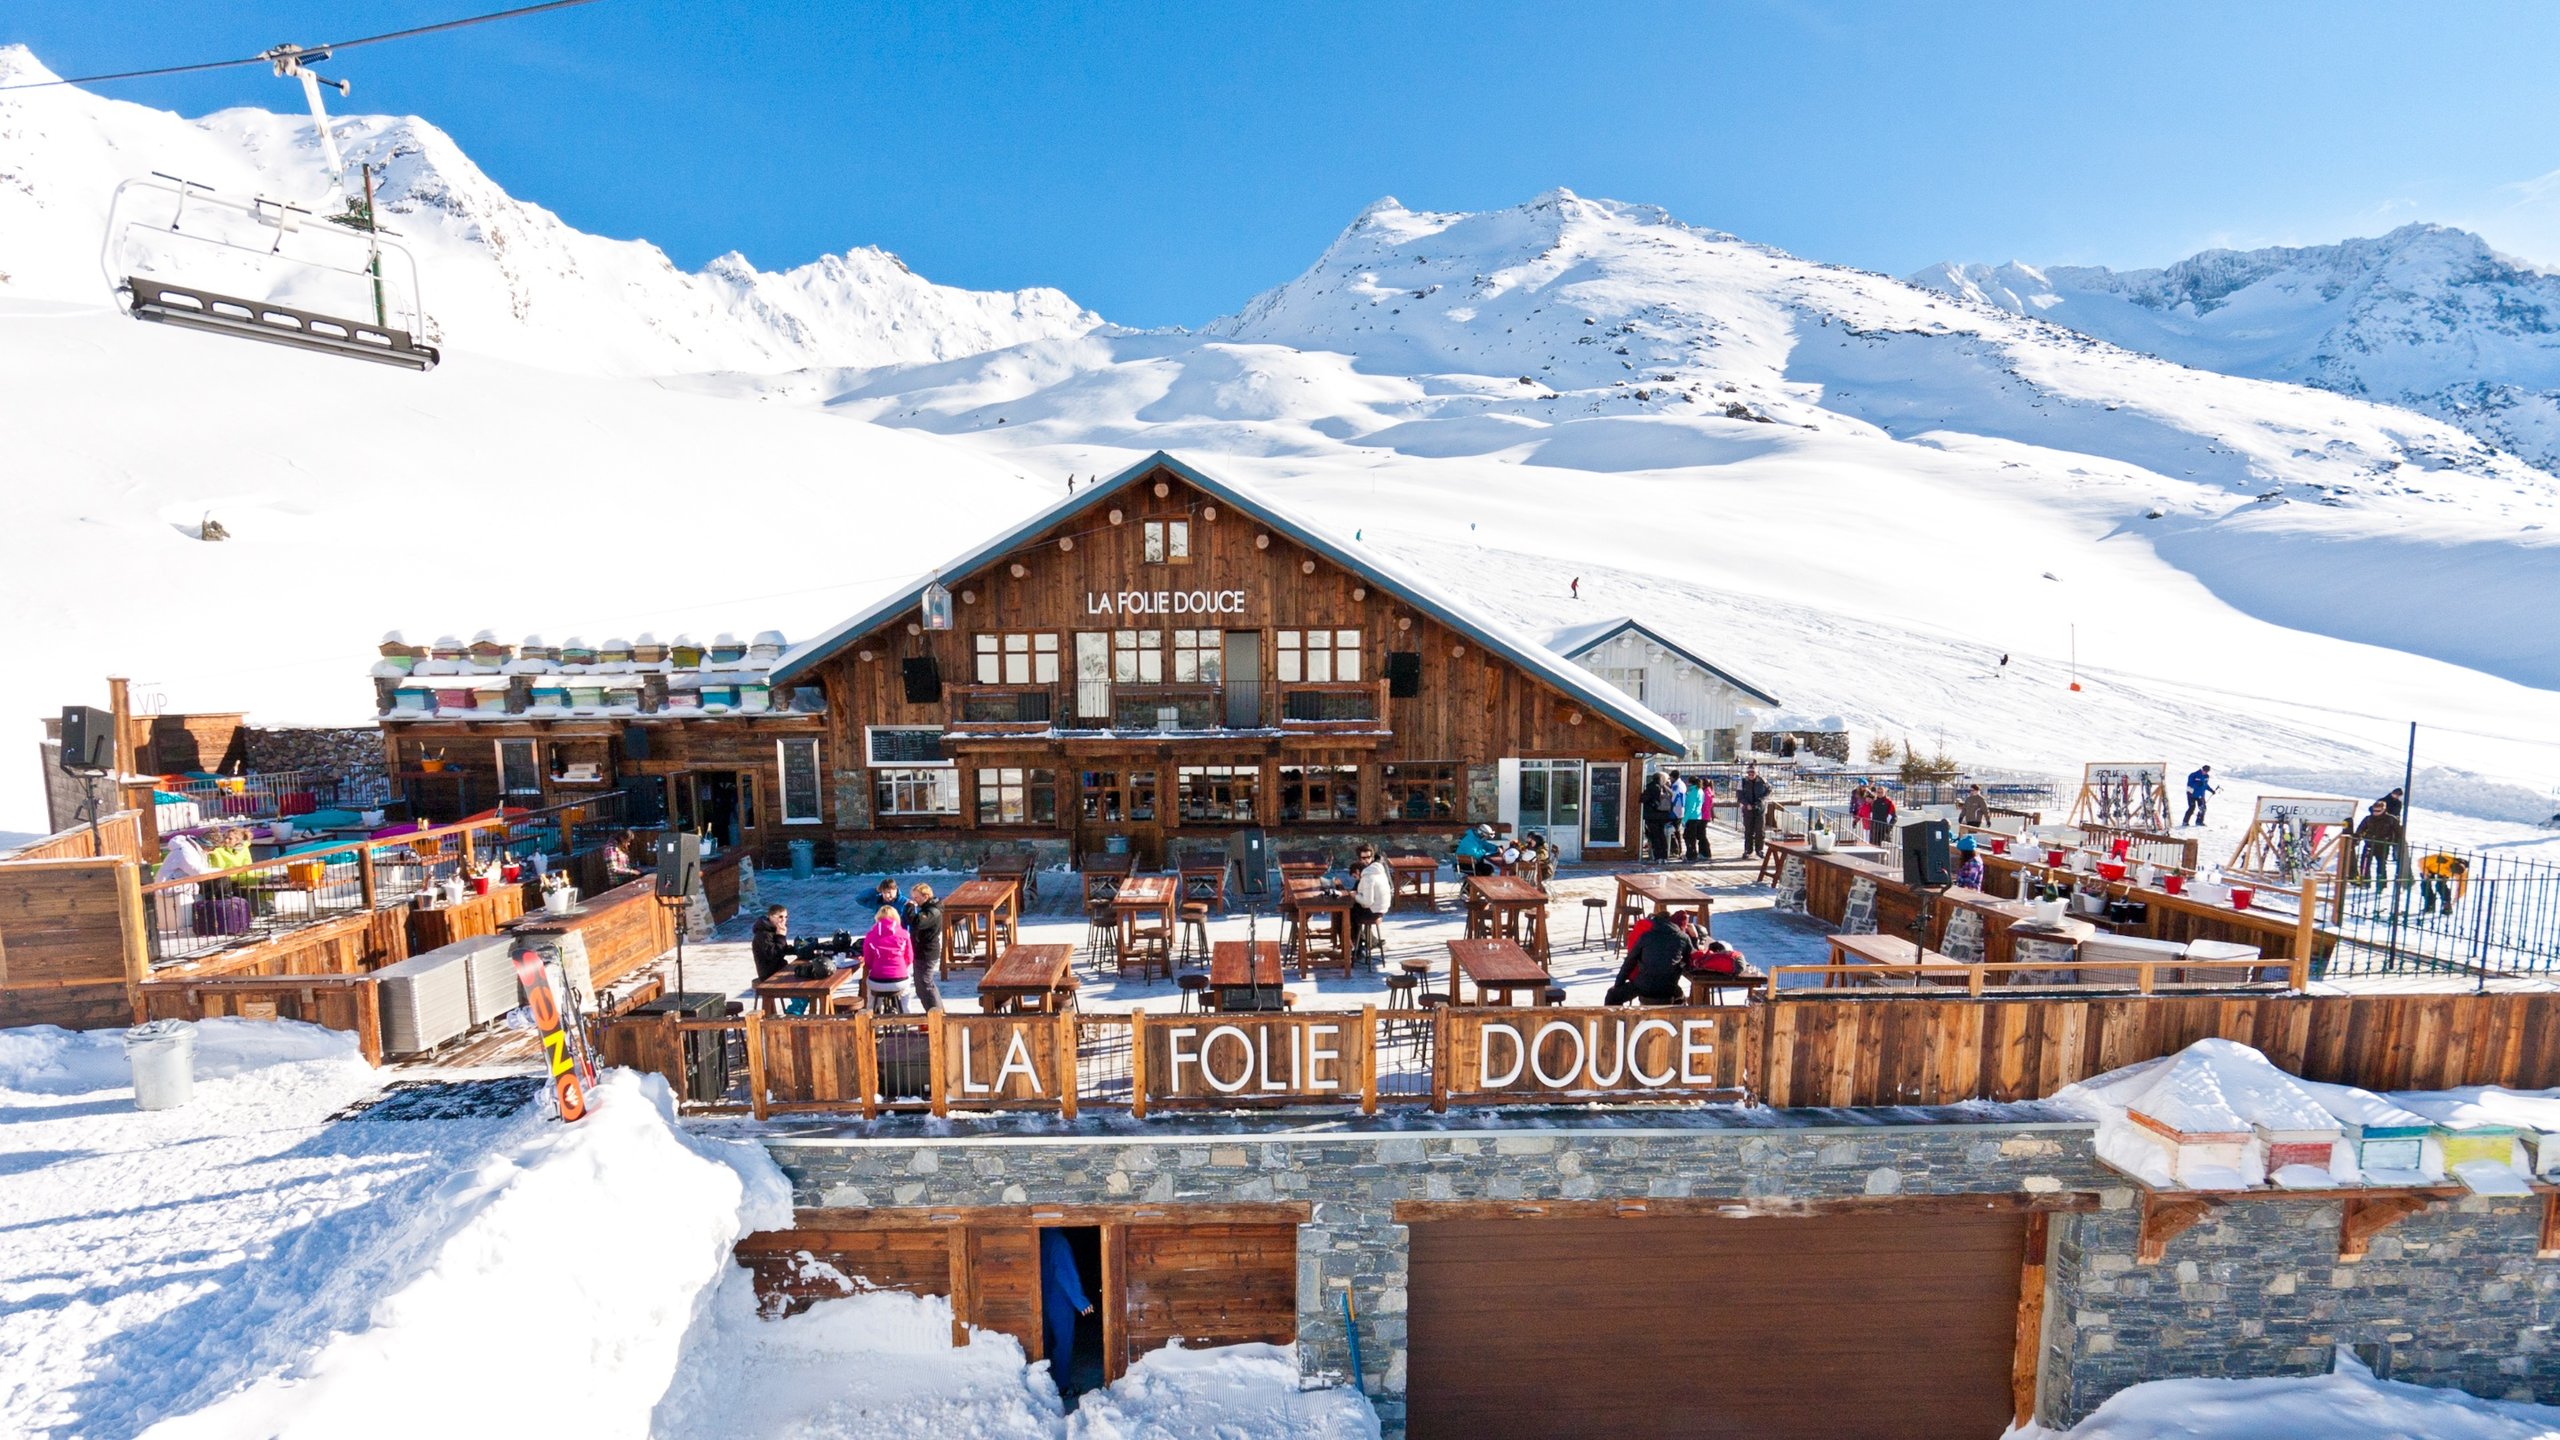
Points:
x=1342 y=705
x=1164 y=709
x=1002 y=709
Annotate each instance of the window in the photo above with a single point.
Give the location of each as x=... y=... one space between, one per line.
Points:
x=1219 y=793
x=518 y=773
x=1017 y=659
x=1318 y=656
x=1011 y=796
x=1168 y=541
x=904 y=745
x=1629 y=680
x=916 y=792
x=799 y=780
x=1093 y=676
x=1137 y=657
x=1319 y=794
x=1421 y=792
x=1603 y=822
x=1199 y=656
x=1109 y=797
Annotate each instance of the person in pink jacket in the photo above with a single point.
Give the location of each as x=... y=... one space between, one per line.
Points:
x=888 y=956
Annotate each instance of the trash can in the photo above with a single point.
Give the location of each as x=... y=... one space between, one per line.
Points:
x=163 y=1056
x=804 y=859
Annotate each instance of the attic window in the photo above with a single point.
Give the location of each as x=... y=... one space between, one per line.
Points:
x=1168 y=542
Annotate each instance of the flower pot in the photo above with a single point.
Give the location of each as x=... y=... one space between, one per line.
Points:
x=2110 y=870
x=2174 y=884
x=2241 y=898
x=2055 y=858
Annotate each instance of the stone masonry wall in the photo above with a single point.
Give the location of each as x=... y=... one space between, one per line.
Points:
x=348 y=754
x=1353 y=1180
x=2450 y=1296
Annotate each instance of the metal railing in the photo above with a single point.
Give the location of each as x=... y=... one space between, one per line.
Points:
x=264 y=795
x=2438 y=910
x=193 y=916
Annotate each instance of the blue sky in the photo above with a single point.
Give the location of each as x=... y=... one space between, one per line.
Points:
x=1162 y=162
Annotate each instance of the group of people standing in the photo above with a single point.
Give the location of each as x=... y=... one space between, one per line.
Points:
x=898 y=954
x=1678 y=807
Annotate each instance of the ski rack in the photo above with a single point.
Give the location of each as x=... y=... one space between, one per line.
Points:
x=195 y=308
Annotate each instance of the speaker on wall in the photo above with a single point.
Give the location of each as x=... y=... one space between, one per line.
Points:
x=1925 y=855
x=88 y=738
x=679 y=863
x=1404 y=674
x=635 y=742
x=924 y=680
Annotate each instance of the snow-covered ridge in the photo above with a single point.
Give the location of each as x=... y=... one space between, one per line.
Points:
x=2427 y=317
x=503 y=276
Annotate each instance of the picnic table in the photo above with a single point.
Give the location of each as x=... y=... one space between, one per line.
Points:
x=819 y=994
x=1495 y=964
x=1709 y=988
x=1885 y=952
x=988 y=913
x=1417 y=876
x=1319 y=924
x=1304 y=864
x=1030 y=977
x=1242 y=973
x=1204 y=878
x=1664 y=893
x=1510 y=908
x=1019 y=866
x=1141 y=897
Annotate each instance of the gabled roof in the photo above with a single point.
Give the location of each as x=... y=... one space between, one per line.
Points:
x=1604 y=699
x=1573 y=640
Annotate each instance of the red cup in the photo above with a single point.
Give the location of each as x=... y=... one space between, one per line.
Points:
x=1999 y=846
x=2240 y=898
x=479 y=884
x=2110 y=870
x=2174 y=884
x=2055 y=858
x=2120 y=848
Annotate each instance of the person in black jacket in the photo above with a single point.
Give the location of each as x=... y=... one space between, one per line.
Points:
x=1656 y=804
x=923 y=914
x=1753 y=793
x=1657 y=964
x=771 y=942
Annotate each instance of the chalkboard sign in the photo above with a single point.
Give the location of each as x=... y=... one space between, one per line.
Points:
x=906 y=745
x=1608 y=790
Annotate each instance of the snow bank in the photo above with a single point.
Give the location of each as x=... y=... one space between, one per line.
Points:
x=2349 y=1404
x=47 y=1060
x=559 y=1278
x=1234 y=1392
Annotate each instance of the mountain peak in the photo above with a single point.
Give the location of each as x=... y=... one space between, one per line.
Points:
x=19 y=66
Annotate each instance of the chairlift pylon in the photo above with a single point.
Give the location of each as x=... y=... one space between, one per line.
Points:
x=199 y=216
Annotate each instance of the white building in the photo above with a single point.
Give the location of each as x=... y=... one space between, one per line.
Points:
x=1713 y=708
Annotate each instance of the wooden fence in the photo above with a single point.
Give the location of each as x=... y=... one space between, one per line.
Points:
x=119 y=836
x=71 y=942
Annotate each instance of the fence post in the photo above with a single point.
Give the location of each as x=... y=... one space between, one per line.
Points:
x=934 y=1042
x=866 y=1062
x=468 y=862
x=1368 y=1059
x=755 y=1062
x=1138 y=1064
x=2306 y=932
x=1069 y=1072
x=1440 y=1057
x=2338 y=902
x=364 y=876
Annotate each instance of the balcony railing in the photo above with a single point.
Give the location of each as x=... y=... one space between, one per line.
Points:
x=998 y=709
x=1158 y=708
x=1343 y=704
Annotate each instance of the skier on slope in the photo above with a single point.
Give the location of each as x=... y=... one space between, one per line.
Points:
x=2200 y=788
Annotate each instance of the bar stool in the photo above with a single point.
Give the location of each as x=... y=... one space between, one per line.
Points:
x=889 y=997
x=1433 y=1000
x=1592 y=905
x=1195 y=931
x=1193 y=983
x=1552 y=995
x=1401 y=990
x=1101 y=932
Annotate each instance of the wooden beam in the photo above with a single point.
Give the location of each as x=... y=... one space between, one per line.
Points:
x=2366 y=1216
x=2550 y=1246
x=1742 y=1207
x=2027 y=1358
x=2165 y=1218
x=944 y=1217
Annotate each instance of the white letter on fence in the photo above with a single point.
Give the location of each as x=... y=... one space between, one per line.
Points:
x=1484 y=1057
x=1181 y=1056
x=1635 y=1044
x=1691 y=1049
x=1318 y=1057
x=1017 y=1061
x=1209 y=1072
x=1591 y=1043
x=1538 y=1056
x=968 y=1083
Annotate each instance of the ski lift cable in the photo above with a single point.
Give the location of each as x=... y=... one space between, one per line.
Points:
x=307 y=53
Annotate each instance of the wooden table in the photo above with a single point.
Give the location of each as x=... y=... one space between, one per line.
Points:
x=819 y=994
x=1417 y=876
x=1021 y=868
x=1204 y=878
x=1030 y=977
x=1305 y=903
x=1304 y=864
x=1497 y=965
x=1242 y=972
x=990 y=912
x=1665 y=894
x=1498 y=904
x=1141 y=896
x=1887 y=952
x=1708 y=988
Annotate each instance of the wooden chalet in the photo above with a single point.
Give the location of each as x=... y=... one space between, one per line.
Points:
x=1153 y=662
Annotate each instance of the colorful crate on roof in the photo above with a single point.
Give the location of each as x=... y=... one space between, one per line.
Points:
x=586 y=694
x=2196 y=1157
x=2291 y=1145
x=755 y=698
x=413 y=700
x=455 y=697
x=2465 y=1141
x=551 y=694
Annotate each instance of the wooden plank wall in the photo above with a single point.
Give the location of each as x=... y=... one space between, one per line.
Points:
x=120 y=834
x=1209 y=1284
x=338 y=1002
x=795 y=1269
x=1939 y=1051
x=433 y=928
x=71 y=942
x=347 y=945
x=624 y=929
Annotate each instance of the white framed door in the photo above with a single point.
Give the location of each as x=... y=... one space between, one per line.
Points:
x=1548 y=796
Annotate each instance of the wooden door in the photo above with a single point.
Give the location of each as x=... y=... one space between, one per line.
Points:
x=1878 y=1323
x=995 y=1283
x=1243 y=679
x=1199 y=1284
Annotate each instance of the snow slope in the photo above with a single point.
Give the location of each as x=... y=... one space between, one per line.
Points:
x=2348 y=1404
x=502 y=277
x=2426 y=317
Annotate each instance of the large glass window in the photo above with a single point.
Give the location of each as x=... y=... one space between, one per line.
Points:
x=517 y=772
x=1009 y=796
x=1317 y=656
x=916 y=792
x=1421 y=792
x=1093 y=676
x=799 y=758
x=1216 y=794
x=1109 y=797
x=1167 y=541
x=1319 y=794
x=1199 y=656
x=1137 y=657
x=1017 y=659
x=1631 y=680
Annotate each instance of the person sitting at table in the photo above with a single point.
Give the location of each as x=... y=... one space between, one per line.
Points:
x=1476 y=850
x=1657 y=963
x=888 y=957
x=1373 y=893
x=924 y=934
x=1968 y=863
x=886 y=893
x=770 y=942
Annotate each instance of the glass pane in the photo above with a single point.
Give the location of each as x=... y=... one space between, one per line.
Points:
x=1289 y=639
x=1093 y=655
x=1186 y=666
x=1017 y=669
x=1319 y=666
x=1346 y=663
x=1565 y=804
x=1017 y=642
x=1044 y=668
x=1212 y=663
x=990 y=665
x=1155 y=542
x=1347 y=639
x=1286 y=666
x=1533 y=795
x=1178 y=539
x=1045 y=642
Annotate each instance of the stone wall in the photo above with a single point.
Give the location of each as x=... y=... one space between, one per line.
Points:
x=1354 y=1176
x=2450 y=1296
x=351 y=755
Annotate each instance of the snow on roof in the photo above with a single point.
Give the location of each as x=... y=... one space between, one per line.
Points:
x=2211 y=1087
x=1571 y=640
x=2362 y=1107
x=1800 y=721
x=1611 y=702
x=2486 y=1105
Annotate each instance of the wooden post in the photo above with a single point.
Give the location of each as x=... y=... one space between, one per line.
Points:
x=755 y=1062
x=1368 y=1059
x=1138 y=1064
x=1440 y=1055
x=934 y=1041
x=2305 y=932
x=2027 y=1357
x=364 y=875
x=134 y=937
x=1067 y=1068
x=2338 y=897
x=866 y=1063
x=467 y=861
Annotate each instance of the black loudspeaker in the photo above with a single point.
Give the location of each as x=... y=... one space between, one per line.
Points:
x=924 y=680
x=1250 y=852
x=635 y=742
x=679 y=863
x=1925 y=854
x=88 y=739
x=1404 y=674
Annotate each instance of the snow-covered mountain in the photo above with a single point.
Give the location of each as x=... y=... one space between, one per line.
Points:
x=2426 y=317
x=500 y=276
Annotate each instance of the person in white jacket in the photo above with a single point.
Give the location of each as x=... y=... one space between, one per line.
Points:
x=1372 y=893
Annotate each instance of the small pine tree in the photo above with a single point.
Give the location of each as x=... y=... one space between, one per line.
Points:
x=1880 y=750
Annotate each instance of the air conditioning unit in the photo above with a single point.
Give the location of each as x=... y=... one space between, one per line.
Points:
x=425 y=1000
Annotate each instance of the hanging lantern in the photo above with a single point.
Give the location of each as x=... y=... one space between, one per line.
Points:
x=937 y=606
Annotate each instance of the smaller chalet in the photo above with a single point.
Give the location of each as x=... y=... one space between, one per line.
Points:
x=1713 y=708
x=1145 y=666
